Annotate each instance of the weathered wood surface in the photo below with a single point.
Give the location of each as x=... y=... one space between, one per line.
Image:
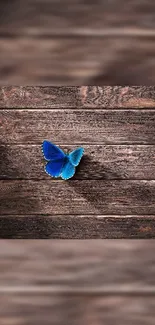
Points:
x=77 y=126
x=99 y=162
x=77 y=265
x=77 y=97
x=112 y=193
x=77 y=227
x=77 y=197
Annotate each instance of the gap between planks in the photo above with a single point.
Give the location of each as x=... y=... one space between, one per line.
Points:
x=77 y=32
x=67 y=290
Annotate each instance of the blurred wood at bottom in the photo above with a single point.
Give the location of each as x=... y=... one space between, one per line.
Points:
x=26 y=309
x=77 y=264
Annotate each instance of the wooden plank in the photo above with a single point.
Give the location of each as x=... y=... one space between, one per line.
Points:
x=99 y=162
x=76 y=310
x=37 y=309
x=110 y=60
x=72 y=14
x=39 y=97
x=77 y=197
x=78 y=97
x=77 y=227
x=77 y=126
x=77 y=265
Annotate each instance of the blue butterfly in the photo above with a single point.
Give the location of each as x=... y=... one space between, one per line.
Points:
x=59 y=163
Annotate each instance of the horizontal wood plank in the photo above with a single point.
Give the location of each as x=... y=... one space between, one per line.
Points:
x=77 y=227
x=55 y=310
x=77 y=197
x=99 y=162
x=98 y=266
x=59 y=60
x=77 y=126
x=72 y=14
x=78 y=97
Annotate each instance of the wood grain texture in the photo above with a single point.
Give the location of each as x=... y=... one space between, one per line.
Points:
x=99 y=162
x=77 y=265
x=112 y=194
x=77 y=227
x=33 y=308
x=78 y=97
x=77 y=197
x=77 y=126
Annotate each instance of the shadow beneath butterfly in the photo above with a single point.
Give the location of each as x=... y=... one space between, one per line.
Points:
x=91 y=170
x=15 y=197
x=94 y=170
x=100 y=201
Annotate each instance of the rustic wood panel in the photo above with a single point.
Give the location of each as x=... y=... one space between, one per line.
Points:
x=111 y=60
x=72 y=14
x=77 y=126
x=78 y=97
x=77 y=197
x=93 y=266
x=36 y=308
x=77 y=227
x=112 y=194
x=99 y=162
x=25 y=309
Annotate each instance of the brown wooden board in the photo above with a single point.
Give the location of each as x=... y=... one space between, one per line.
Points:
x=51 y=14
x=99 y=162
x=55 y=310
x=77 y=197
x=77 y=97
x=77 y=126
x=77 y=227
x=110 y=60
x=93 y=266
x=102 y=281
x=112 y=193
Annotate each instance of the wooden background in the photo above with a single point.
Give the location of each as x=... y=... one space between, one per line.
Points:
x=77 y=42
x=70 y=42
x=113 y=192
x=77 y=282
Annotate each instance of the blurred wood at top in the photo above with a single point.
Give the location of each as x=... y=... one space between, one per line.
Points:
x=77 y=13
x=70 y=51
x=77 y=61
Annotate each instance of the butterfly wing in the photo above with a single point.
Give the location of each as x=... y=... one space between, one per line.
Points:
x=75 y=156
x=68 y=170
x=51 y=151
x=54 y=167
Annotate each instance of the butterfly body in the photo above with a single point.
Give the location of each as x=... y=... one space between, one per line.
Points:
x=60 y=163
